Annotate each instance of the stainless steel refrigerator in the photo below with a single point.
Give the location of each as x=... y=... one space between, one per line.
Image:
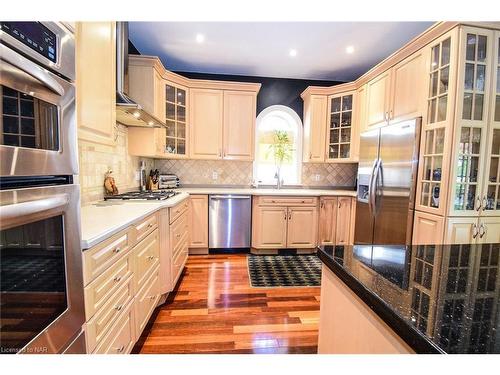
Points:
x=387 y=175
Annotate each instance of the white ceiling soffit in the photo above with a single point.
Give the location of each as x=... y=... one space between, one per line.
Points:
x=263 y=48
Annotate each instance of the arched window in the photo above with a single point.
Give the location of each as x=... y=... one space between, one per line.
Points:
x=273 y=120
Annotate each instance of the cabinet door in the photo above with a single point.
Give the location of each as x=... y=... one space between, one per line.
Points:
x=461 y=230
x=473 y=94
x=315 y=119
x=96 y=77
x=340 y=127
x=327 y=220
x=491 y=180
x=489 y=230
x=269 y=227
x=343 y=225
x=239 y=125
x=302 y=227
x=377 y=99
x=176 y=111
x=407 y=93
x=206 y=113
x=198 y=221
x=428 y=229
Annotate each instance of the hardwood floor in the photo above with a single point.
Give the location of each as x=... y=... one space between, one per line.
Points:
x=215 y=310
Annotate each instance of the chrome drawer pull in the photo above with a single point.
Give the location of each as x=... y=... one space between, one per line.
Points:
x=118 y=308
x=151 y=257
x=117 y=279
x=150 y=225
x=178 y=235
x=120 y=349
x=116 y=250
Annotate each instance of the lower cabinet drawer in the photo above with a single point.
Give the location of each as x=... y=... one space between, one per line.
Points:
x=101 y=322
x=178 y=210
x=121 y=337
x=295 y=201
x=104 y=286
x=146 y=256
x=146 y=300
x=178 y=229
x=142 y=229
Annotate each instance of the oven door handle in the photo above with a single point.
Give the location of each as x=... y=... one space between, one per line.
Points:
x=31 y=68
x=28 y=208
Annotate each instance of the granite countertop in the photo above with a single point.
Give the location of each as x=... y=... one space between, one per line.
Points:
x=310 y=192
x=101 y=220
x=437 y=298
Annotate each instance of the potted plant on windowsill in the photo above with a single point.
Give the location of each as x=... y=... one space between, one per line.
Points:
x=282 y=150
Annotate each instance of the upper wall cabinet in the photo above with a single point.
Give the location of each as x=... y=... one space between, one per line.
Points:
x=330 y=125
x=96 y=81
x=397 y=94
x=341 y=132
x=315 y=124
x=207 y=108
x=176 y=104
x=222 y=124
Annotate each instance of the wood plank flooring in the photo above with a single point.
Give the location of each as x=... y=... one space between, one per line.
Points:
x=215 y=310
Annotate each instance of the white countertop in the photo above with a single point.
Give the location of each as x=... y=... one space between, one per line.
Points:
x=103 y=219
x=283 y=192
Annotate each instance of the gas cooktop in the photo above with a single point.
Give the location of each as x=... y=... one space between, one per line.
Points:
x=148 y=195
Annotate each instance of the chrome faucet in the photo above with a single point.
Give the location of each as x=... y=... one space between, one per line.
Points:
x=279 y=181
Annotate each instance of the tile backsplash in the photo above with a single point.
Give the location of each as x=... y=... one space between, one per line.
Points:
x=96 y=159
x=201 y=172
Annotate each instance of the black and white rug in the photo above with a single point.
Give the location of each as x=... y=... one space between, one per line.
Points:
x=284 y=270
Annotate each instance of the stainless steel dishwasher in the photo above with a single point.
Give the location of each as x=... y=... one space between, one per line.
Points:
x=229 y=221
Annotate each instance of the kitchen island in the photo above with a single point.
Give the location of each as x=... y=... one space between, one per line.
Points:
x=418 y=299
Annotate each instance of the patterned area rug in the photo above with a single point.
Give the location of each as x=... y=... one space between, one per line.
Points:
x=284 y=270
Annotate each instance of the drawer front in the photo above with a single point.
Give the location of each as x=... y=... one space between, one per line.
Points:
x=295 y=201
x=105 y=285
x=145 y=227
x=146 y=257
x=178 y=210
x=178 y=262
x=100 y=257
x=178 y=230
x=101 y=322
x=121 y=337
x=146 y=300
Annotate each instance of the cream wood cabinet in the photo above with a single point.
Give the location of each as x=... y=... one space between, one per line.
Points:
x=198 y=224
x=284 y=223
x=464 y=230
x=428 y=229
x=361 y=111
x=222 y=124
x=96 y=81
x=315 y=124
x=206 y=117
x=239 y=125
x=335 y=214
x=398 y=93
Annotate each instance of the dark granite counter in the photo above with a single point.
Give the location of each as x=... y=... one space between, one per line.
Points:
x=438 y=299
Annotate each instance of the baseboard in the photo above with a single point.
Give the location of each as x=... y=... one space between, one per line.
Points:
x=198 y=251
x=255 y=251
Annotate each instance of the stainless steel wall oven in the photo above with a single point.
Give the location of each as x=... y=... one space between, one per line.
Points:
x=41 y=282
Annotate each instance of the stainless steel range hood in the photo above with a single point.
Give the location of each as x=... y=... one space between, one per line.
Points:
x=128 y=112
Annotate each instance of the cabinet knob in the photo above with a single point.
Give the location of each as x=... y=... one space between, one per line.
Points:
x=151 y=257
x=117 y=279
x=150 y=225
x=120 y=349
x=116 y=250
x=310 y=156
x=118 y=308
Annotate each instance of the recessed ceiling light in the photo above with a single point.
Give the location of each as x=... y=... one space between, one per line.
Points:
x=200 y=38
x=349 y=49
x=293 y=52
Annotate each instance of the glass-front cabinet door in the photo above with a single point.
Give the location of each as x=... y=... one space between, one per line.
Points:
x=339 y=134
x=491 y=181
x=471 y=121
x=437 y=125
x=176 y=120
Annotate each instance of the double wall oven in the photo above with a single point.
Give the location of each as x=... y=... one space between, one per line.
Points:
x=41 y=300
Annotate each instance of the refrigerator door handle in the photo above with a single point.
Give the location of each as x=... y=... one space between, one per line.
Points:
x=371 y=188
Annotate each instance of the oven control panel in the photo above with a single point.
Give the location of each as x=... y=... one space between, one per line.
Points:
x=34 y=35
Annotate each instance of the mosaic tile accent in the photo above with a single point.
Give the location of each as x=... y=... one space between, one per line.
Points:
x=96 y=159
x=199 y=172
